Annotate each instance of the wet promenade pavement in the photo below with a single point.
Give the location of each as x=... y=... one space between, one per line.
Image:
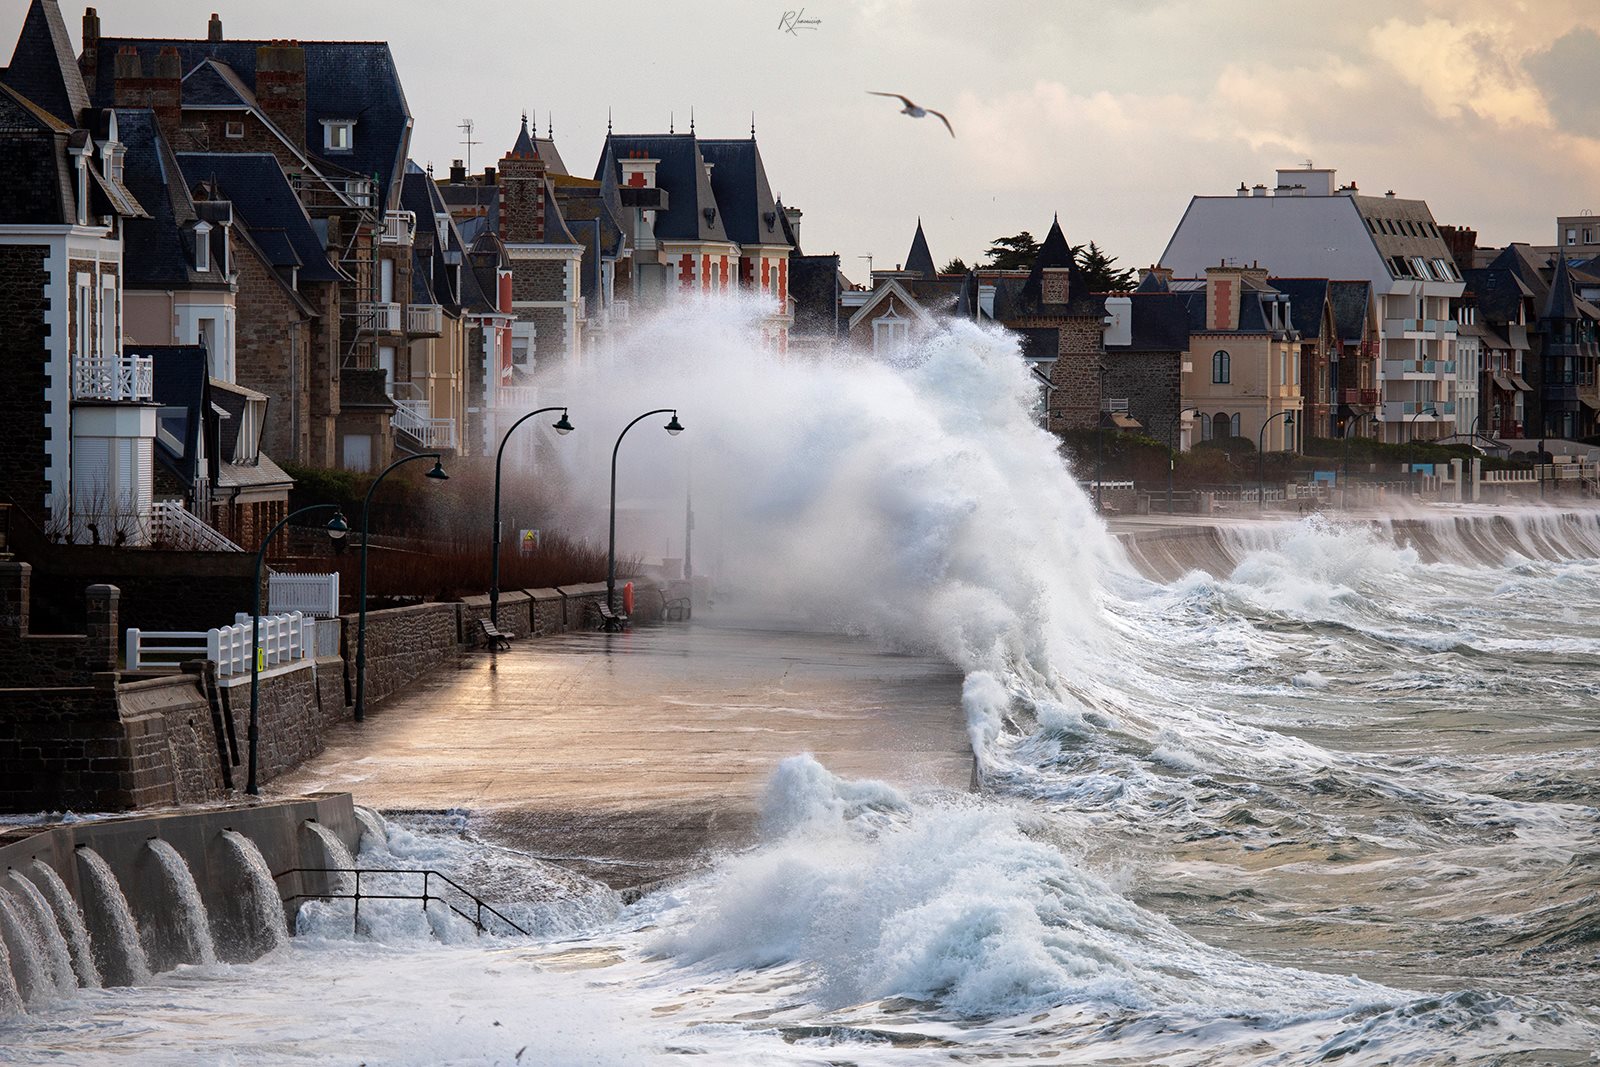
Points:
x=626 y=755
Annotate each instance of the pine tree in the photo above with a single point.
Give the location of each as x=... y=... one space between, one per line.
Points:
x=955 y=266
x=1013 y=253
x=1099 y=272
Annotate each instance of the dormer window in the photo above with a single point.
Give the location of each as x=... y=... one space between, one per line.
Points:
x=202 y=247
x=234 y=131
x=338 y=135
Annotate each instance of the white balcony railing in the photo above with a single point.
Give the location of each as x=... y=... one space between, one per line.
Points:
x=173 y=525
x=398 y=227
x=424 y=320
x=380 y=317
x=412 y=417
x=115 y=377
x=309 y=594
x=516 y=397
x=1421 y=409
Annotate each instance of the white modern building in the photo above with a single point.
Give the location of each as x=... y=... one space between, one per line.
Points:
x=1305 y=226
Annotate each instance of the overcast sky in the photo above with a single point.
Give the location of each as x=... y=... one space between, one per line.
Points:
x=1110 y=112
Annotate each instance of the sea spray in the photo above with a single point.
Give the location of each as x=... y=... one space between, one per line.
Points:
x=42 y=923
x=263 y=906
x=126 y=962
x=192 y=922
x=69 y=917
x=374 y=837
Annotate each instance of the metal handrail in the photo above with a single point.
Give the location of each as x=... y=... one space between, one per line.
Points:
x=426 y=873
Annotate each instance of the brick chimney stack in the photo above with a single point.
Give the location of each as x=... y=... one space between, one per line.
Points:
x=89 y=62
x=281 y=88
x=458 y=172
x=1055 y=285
x=161 y=90
x=1223 y=285
x=521 y=181
x=214 y=28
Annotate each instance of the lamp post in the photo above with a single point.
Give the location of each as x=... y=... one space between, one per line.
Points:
x=1100 y=442
x=1349 y=427
x=361 y=618
x=561 y=426
x=1261 y=456
x=673 y=427
x=1411 y=435
x=336 y=528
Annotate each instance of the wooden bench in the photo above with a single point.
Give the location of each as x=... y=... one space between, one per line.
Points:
x=493 y=638
x=611 y=621
x=677 y=609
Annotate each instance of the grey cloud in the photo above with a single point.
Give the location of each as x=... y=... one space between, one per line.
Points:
x=1565 y=74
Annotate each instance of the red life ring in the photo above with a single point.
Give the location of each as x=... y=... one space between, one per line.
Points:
x=627 y=598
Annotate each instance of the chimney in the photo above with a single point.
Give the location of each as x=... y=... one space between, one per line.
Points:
x=281 y=88
x=1054 y=285
x=793 y=214
x=214 y=28
x=488 y=176
x=89 y=62
x=521 y=182
x=458 y=172
x=1244 y=190
x=1164 y=274
x=1222 y=297
x=1258 y=190
x=639 y=171
x=161 y=91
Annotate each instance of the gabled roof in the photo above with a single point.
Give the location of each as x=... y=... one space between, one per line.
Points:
x=159 y=250
x=39 y=187
x=692 y=213
x=1519 y=261
x=1351 y=302
x=891 y=290
x=1498 y=293
x=214 y=84
x=43 y=66
x=344 y=80
x=919 y=260
x=432 y=274
x=266 y=204
x=739 y=182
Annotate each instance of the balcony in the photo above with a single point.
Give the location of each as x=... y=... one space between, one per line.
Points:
x=316 y=193
x=1358 y=396
x=1409 y=329
x=424 y=320
x=398 y=228
x=115 y=377
x=516 y=397
x=1419 y=369
x=412 y=417
x=379 y=317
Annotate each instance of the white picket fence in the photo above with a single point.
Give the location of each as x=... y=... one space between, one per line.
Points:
x=309 y=594
x=285 y=639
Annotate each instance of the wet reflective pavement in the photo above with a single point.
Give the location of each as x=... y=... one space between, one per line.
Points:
x=627 y=755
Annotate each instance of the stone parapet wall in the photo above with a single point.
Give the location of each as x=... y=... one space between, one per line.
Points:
x=402 y=644
x=516 y=619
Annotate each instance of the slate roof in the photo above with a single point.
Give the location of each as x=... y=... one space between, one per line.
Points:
x=1160 y=323
x=1519 y=261
x=1562 y=305
x=344 y=80
x=1054 y=253
x=1499 y=293
x=1351 y=302
x=580 y=207
x=43 y=66
x=1307 y=299
x=1414 y=231
x=814 y=288
x=265 y=203
x=919 y=260
x=433 y=276
x=681 y=173
x=159 y=250
x=214 y=84
x=180 y=379
x=739 y=182
x=33 y=157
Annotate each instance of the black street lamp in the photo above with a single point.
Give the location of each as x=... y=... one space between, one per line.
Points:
x=674 y=427
x=561 y=426
x=1349 y=428
x=336 y=528
x=1100 y=442
x=1172 y=457
x=361 y=619
x=1261 y=456
x=1411 y=436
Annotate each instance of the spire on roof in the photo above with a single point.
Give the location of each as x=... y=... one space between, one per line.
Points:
x=549 y=127
x=919 y=260
x=752 y=125
x=1054 y=251
x=524 y=148
x=691 y=118
x=1562 y=304
x=608 y=122
x=672 y=122
x=44 y=67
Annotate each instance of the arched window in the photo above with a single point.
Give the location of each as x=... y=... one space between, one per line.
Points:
x=1221 y=367
x=1234 y=426
x=1221 y=426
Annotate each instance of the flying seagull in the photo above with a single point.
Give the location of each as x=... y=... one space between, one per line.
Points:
x=916 y=112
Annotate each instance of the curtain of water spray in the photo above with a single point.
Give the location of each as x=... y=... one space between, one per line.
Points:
x=373 y=835
x=193 y=924
x=42 y=924
x=125 y=953
x=70 y=918
x=265 y=907
x=28 y=966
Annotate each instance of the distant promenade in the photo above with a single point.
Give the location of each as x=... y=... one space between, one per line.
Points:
x=627 y=755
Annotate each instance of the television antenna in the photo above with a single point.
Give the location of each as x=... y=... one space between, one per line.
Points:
x=466 y=127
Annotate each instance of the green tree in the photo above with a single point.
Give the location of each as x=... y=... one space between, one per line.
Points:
x=955 y=266
x=1100 y=273
x=1012 y=253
